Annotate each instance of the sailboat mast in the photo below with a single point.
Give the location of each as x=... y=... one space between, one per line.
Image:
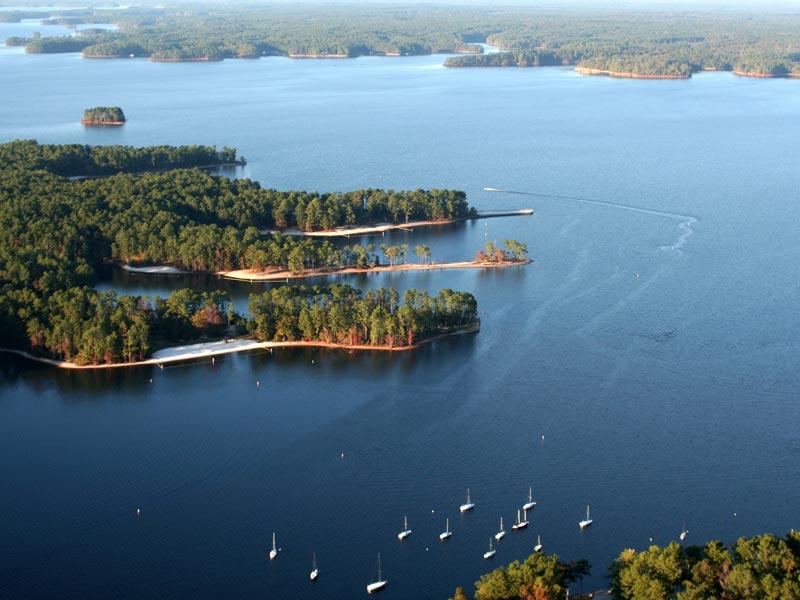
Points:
x=380 y=578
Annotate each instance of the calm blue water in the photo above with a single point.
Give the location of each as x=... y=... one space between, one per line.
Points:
x=666 y=398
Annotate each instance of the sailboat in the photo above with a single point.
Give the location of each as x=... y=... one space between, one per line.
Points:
x=530 y=503
x=446 y=533
x=684 y=532
x=522 y=522
x=491 y=552
x=273 y=554
x=587 y=521
x=538 y=546
x=314 y=570
x=380 y=582
x=501 y=532
x=469 y=504
x=406 y=531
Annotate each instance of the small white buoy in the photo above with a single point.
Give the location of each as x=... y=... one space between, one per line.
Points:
x=734 y=514
x=151 y=381
x=342 y=455
x=138 y=511
x=258 y=383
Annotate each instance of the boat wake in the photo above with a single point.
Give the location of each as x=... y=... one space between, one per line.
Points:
x=685 y=222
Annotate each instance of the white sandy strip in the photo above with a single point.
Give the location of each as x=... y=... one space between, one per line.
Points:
x=167 y=355
x=206 y=349
x=155 y=269
x=384 y=227
x=255 y=275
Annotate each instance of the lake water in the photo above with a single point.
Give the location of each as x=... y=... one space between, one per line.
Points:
x=656 y=352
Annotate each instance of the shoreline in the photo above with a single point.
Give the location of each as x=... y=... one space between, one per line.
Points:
x=218 y=348
x=253 y=275
x=625 y=74
x=384 y=227
x=237 y=163
x=91 y=123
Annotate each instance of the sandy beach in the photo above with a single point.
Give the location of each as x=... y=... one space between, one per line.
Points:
x=280 y=275
x=411 y=225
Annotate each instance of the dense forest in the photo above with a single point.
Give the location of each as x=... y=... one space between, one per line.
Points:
x=764 y=567
x=103 y=115
x=56 y=232
x=78 y=160
x=649 y=43
x=341 y=314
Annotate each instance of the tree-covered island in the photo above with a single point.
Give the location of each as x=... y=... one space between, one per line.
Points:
x=764 y=567
x=103 y=115
x=56 y=233
x=647 y=44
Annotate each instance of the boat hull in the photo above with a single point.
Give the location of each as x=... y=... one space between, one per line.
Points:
x=374 y=587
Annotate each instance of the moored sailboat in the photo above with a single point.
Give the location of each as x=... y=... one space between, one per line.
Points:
x=469 y=505
x=531 y=502
x=446 y=533
x=406 y=531
x=273 y=554
x=491 y=552
x=587 y=521
x=500 y=532
x=380 y=582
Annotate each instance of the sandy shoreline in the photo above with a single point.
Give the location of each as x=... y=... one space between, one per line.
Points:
x=210 y=349
x=411 y=225
x=255 y=275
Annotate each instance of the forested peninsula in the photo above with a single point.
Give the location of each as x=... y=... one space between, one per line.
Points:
x=57 y=232
x=764 y=566
x=651 y=44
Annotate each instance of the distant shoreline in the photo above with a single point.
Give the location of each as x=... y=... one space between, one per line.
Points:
x=221 y=347
x=262 y=275
x=625 y=74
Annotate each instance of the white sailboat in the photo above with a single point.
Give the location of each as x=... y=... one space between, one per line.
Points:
x=314 y=570
x=684 y=532
x=406 y=531
x=530 y=503
x=469 y=504
x=501 y=532
x=446 y=533
x=538 y=546
x=587 y=521
x=273 y=554
x=380 y=582
x=522 y=522
x=491 y=552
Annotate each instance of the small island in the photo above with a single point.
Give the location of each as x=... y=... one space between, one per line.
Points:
x=103 y=116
